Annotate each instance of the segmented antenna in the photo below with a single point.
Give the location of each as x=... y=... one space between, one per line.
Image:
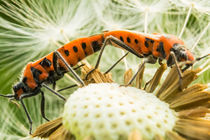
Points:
x=8 y=95
x=199 y=58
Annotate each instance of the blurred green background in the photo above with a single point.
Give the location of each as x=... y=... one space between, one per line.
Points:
x=30 y=29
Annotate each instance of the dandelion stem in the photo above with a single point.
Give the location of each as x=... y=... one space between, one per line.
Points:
x=145 y=19
x=186 y=20
x=204 y=69
x=72 y=79
x=55 y=42
x=202 y=33
x=208 y=89
x=64 y=35
x=125 y=61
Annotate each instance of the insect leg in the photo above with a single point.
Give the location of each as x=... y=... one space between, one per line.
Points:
x=42 y=106
x=134 y=76
x=59 y=95
x=67 y=87
x=79 y=66
x=150 y=60
x=25 y=109
x=70 y=69
x=53 y=85
x=27 y=114
x=114 y=40
x=116 y=63
x=178 y=70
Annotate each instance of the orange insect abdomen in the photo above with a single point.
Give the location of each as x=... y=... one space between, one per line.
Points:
x=78 y=49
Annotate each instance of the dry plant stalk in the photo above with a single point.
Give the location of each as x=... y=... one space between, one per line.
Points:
x=96 y=76
x=127 y=76
x=195 y=112
x=139 y=78
x=194 y=128
x=153 y=83
x=173 y=136
x=158 y=137
x=61 y=134
x=44 y=131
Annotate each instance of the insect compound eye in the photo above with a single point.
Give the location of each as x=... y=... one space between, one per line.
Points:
x=183 y=55
x=18 y=86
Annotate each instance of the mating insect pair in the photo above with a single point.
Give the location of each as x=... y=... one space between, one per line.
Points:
x=53 y=66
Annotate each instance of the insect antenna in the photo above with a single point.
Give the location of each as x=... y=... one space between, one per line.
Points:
x=11 y=99
x=191 y=63
x=199 y=58
x=8 y=96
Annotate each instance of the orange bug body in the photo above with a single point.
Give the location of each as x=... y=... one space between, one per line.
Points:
x=145 y=44
x=49 y=68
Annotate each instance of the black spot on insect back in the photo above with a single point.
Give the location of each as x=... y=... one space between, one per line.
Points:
x=66 y=52
x=146 y=44
x=147 y=41
x=121 y=38
x=75 y=49
x=96 y=46
x=36 y=73
x=136 y=41
x=45 y=62
x=83 y=46
x=161 y=50
x=128 y=40
x=24 y=79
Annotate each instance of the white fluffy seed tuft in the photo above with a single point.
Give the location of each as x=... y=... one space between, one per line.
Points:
x=110 y=112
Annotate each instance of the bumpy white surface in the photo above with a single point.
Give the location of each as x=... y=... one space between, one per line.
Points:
x=109 y=112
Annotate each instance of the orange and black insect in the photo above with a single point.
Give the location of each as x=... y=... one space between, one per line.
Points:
x=53 y=66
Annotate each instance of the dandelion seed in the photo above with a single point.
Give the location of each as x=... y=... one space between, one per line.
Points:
x=201 y=6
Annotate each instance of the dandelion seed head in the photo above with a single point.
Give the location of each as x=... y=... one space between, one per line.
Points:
x=107 y=111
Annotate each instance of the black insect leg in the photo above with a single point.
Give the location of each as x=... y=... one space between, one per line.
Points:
x=112 y=40
x=59 y=95
x=150 y=60
x=178 y=70
x=70 y=69
x=134 y=76
x=25 y=109
x=67 y=87
x=116 y=63
x=43 y=106
x=79 y=66
x=27 y=114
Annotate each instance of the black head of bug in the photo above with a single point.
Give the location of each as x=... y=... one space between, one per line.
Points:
x=180 y=52
x=17 y=91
